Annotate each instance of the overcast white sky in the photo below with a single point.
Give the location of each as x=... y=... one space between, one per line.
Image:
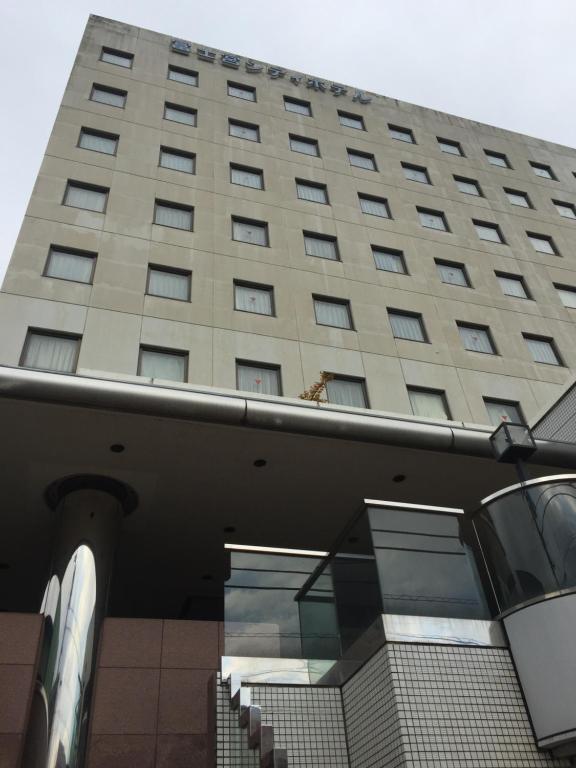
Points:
x=505 y=62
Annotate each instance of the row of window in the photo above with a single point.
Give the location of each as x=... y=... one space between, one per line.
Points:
x=166 y=213
x=45 y=350
x=301 y=107
x=173 y=283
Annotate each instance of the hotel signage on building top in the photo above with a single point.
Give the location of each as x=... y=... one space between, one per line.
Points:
x=232 y=61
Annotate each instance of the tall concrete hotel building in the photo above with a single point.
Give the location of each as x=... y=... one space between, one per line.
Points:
x=289 y=430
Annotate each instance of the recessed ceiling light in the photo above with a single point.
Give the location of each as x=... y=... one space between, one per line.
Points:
x=117 y=448
x=260 y=463
x=399 y=478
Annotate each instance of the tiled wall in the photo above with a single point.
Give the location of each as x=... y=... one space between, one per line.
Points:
x=308 y=722
x=152 y=706
x=418 y=706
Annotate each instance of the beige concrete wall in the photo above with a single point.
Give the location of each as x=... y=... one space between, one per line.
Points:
x=115 y=316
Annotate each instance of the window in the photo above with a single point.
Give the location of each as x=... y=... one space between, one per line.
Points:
x=430 y=403
x=518 y=198
x=249 y=297
x=168 y=283
x=513 y=285
x=468 y=186
x=181 y=75
x=248 y=231
x=543 y=349
x=375 y=206
x=69 y=264
x=179 y=114
x=476 y=338
x=114 y=97
x=416 y=173
x=401 y=134
x=247 y=131
x=50 y=351
x=432 y=219
x=87 y=196
x=497 y=159
x=542 y=243
x=321 y=246
x=305 y=146
x=488 y=231
x=120 y=58
x=98 y=141
x=450 y=147
x=177 y=160
x=389 y=260
x=407 y=325
x=345 y=390
x=298 y=106
x=567 y=295
x=452 y=273
x=567 y=210
x=362 y=159
x=503 y=410
x=308 y=190
x=239 y=91
x=351 y=121
x=333 y=312
x=258 y=377
x=173 y=215
x=544 y=171
x=246 y=177
x=166 y=364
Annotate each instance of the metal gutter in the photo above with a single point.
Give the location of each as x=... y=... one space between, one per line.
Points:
x=188 y=404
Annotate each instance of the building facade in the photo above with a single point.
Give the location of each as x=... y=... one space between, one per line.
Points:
x=208 y=237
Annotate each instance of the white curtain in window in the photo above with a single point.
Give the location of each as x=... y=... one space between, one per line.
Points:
x=183 y=77
x=108 y=97
x=90 y=199
x=476 y=340
x=488 y=233
x=180 y=115
x=497 y=160
x=415 y=174
x=115 y=58
x=324 y=249
x=346 y=392
x=52 y=353
x=306 y=147
x=244 y=132
x=451 y=149
x=517 y=199
x=361 y=161
x=374 y=207
x=294 y=106
x=258 y=300
x=406 y=327
x=568 y=298
x=163 y=365
x=468 y=187
x=568 y=211
x=98 y=143
x=429 y=404
x=314 y=194
x=512 y=287
x=176 y=161
x=70 y=266
x=541 y=244
x=389 y=261
x=246 y=178
x=332 y=313
x=452 y=275
x=249 y=233
x=542 y=171
x=173 y=217
x=262 y=380
x=396 y=133
x=241 y=93
x=432 y=220
x=170 y=285
x=499 y=412
x=542 y=351
x=351 y=122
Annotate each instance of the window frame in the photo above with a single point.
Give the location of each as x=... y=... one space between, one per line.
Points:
x=241 y=87
x=431 y=212
x=519 y=279
x=90 y=187
x=391 y=252
x=564 y=204
x=399 y=129
x=299 y=102
x=375 y=199
x=314 y=185
x=326 y=238
x=120 y=54
x=478 y=327
x=492 y=226
x=243 y=124
x=242 y=362
x=351 y=116
x=254 y=222
x=180 y=206
x=518 y=193
x=108 y=89
x=441 y=393
x=247 y=169
x=73 y=252
x=551 y=176
x=180 y=108
x=183 y=71
x=304 y=140
x=420 y=169
x=545 y=238
x=165 y=351
x=355 y=379
x=84 y=130
x=367 y=155
x=416 y=316
x=499 y=155
x=566 y=289
x=174 y=271
x=180 y=153
x=331 y=300
x=472 y=182
x=549 y=340
x=501 y=401
x=451 y=143
x=35 y=331
x=453 y=265
x=257 y=286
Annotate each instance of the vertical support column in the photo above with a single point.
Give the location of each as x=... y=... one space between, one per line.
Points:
x=89 y=510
